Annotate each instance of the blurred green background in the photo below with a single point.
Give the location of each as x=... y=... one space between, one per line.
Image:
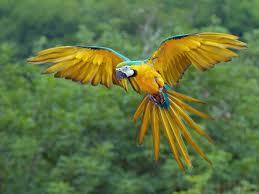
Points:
x=60 y=137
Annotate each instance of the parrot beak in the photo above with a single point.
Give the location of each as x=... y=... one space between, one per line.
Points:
x=120 y=75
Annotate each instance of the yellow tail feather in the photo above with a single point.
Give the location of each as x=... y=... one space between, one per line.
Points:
x=172 y=121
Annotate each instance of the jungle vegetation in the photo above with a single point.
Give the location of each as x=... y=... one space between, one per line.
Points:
x=60 y=137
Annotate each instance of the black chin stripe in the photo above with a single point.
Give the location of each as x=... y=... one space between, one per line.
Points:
x=134 y=74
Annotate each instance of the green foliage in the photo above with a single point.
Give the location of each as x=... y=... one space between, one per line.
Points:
x=59 y=137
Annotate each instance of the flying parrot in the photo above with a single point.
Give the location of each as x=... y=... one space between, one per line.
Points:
x=162 y=108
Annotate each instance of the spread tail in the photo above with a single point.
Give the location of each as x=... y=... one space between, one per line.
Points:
x=172 y=120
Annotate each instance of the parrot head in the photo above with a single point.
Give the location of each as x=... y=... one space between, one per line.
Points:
x=124 y=72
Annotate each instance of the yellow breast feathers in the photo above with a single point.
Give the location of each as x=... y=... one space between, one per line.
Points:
x=147 y=78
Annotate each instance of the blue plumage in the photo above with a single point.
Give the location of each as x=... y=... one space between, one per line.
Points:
x=166 y=103
x=178 y=36
x=108 y=49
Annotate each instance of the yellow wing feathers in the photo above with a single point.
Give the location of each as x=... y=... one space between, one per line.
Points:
x=82 y=64
x=203 y=50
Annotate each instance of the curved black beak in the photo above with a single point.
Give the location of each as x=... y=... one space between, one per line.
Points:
x=120 y=75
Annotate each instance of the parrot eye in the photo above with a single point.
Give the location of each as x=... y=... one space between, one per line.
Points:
x=126 y=68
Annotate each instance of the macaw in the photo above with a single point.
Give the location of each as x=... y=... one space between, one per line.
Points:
x=162 y=107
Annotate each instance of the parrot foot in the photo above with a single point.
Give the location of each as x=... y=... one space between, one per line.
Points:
x=160 y=98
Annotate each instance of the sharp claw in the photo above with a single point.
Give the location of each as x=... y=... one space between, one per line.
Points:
x=158 y=98
x=153 y=99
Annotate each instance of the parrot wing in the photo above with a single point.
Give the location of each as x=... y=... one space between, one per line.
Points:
x=95 y=65
x=203 y=50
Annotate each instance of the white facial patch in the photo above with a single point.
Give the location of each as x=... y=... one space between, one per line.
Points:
x=126 y=69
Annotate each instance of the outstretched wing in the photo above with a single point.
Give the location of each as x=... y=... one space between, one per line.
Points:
x=95 y=65
x=203 y=50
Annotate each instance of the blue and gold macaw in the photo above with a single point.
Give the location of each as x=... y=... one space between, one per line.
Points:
x=162 y=107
